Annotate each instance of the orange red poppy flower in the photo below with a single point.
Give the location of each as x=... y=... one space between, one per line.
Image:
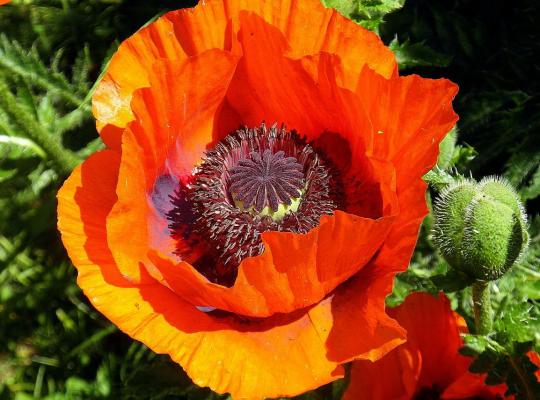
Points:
x=428 y=365
x=2 y=2
x=260 y=189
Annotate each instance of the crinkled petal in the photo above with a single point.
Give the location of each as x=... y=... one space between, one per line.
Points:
x=213 y=25
x=277 y=357
x=174 y=125
x=222 y=352
x=399 y=369
x=362 y=329
x=393 y=257
x=84 y=202
x=303 y=94
x=433 y=329
x=410 y=116
x=176 y=117
x=395 y=254
x=294 y=271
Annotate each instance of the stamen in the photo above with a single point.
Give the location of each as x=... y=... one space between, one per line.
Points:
x=254 y=180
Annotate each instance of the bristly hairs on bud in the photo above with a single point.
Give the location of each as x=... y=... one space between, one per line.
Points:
x=445 y=216
x=480 y=228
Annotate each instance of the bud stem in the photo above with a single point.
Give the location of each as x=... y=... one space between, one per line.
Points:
x=483 y=313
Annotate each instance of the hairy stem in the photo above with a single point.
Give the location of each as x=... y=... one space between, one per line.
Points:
x=483 y=313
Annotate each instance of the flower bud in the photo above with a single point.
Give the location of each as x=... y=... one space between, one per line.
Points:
x=480 y=228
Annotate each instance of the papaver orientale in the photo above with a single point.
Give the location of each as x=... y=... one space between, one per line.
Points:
x=260 y=189
x=428 y=365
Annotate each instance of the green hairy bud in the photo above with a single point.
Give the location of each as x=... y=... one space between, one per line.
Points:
x=480 y=228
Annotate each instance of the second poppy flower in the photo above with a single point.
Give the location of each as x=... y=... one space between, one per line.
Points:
x=428 y=366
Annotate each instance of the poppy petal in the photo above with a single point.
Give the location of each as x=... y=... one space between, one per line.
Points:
x=221 y=352
x=158 y=143
x=402 y=369
x=376 y=280
x=175 y=118
x=294 y=271
x=286 y=276
x=410 y=116
x=183 y=33
x=290 y=347
x=303 y=94
x=432 y=328
x=429 y=360
x=224 y=354
x=84 y=202
x=359 y=306
x=128 y=71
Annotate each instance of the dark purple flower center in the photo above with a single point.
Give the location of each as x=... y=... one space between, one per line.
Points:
x=267 y=180
x=255 y=180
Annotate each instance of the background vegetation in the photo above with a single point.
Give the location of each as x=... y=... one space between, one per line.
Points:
x=54 y=345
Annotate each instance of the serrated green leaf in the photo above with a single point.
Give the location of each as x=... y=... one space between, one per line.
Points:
x=474 y=345
x=507 y=364
x=368 y=13
x=27 y=64
x=463 y=155
x=484 y=362
x=439 y=178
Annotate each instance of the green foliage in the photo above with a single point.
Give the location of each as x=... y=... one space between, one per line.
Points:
x=27 y=64
x=368 y=13
x=39 y=102
x=523 y=168
x=409 y=55
x=447 y=148
x=504 y=363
